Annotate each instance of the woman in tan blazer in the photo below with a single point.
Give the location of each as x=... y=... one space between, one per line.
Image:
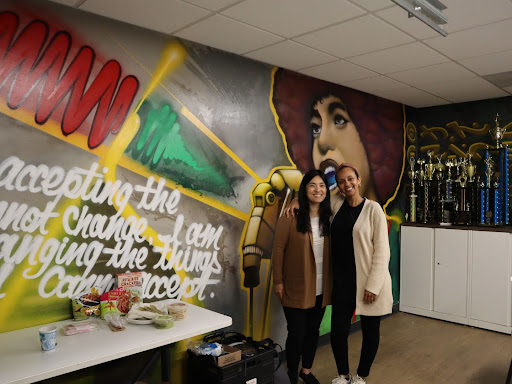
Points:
x=301 y=270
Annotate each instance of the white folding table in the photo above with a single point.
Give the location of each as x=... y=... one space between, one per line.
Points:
x=23 y=361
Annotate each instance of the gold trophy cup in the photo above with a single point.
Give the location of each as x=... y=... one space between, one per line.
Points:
x=497 y=133
x=430 y=167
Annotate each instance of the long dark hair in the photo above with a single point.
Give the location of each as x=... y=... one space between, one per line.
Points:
x=324 y=211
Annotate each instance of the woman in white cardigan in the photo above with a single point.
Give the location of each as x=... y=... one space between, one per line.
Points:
x=361 y=279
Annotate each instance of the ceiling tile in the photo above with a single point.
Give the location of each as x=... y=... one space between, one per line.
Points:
x=290 y=18
x=338 y=72
x=471 y=13
x=412 y=97
x=399 y=58
x=291 y=55
x=458 y=91
x=489 y=64
x=212 y=5
x=375 y=84
x=411 y=25
x=372 y=5
x=71 y=3
x=433 y=74
x=227 y=34
x=355 y=37
x=474 y=42
x=159 y=15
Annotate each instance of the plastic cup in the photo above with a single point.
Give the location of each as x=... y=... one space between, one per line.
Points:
x=178 y=310
x=48 y=337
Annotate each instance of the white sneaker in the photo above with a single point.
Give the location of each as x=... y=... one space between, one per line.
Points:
x=358 y=380
x=341 y=379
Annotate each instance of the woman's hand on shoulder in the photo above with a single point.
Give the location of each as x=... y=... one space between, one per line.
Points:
x=279 y=290
x=291 y=209
x=369 y=297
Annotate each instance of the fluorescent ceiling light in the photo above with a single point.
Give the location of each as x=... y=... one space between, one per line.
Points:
x=428 y=11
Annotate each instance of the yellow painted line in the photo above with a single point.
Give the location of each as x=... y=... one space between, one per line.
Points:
x=80 y=140
x=401 y=172
x=198 y=123
x=130 y=164
x=276 y=117
x=129 y=130
x=203 y=128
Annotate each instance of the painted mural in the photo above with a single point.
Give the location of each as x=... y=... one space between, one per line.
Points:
x=127 y=150
x=456 y=130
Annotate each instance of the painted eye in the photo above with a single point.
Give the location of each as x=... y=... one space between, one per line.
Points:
x=339 y=120
x=316 y=129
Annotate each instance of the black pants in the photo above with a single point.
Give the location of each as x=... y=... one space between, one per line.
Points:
x=303 y=329
x=340 y=328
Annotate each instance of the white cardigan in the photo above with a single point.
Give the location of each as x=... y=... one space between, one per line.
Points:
x=371 y=251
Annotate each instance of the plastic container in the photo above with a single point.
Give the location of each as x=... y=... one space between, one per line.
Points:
x=178 y=310
x=164 y=321
x=83 y=327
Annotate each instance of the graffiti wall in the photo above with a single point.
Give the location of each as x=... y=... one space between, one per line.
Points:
x=454 y=130
x=127 y=150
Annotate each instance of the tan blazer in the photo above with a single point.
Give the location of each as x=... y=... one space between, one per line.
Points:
x=293 y=265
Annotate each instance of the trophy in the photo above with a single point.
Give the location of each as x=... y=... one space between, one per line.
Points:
x=429 y=167
x=485 y=193
x=489 y=171
x=471 y=168
x=412 y=197
x=497 y=132
x=421 y=171
x=439 y=168
x=449 y=181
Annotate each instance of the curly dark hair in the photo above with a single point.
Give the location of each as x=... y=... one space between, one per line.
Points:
x=324 y=211
x=380 y=123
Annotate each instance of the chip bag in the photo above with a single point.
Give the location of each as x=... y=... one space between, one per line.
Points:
x=86 y=304
x=115 y=301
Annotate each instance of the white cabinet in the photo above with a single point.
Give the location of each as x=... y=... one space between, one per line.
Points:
x=416 y=269
x=490 y=280
x=457 y=275
x=451 y=271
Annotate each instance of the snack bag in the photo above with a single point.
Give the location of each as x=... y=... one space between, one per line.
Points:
x=132 y=283
x=115 y=301
x=86 y=304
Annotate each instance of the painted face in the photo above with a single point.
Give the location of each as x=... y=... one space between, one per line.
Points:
x=348 y=182
x=316 y=190
x=336 y=140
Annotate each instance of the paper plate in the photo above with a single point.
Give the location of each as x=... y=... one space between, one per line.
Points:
x=140 y=321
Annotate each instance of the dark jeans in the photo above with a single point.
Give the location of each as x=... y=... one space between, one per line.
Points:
x=340 y=328
x=303 y=330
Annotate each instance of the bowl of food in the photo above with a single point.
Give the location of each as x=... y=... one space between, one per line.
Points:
x=164 y=321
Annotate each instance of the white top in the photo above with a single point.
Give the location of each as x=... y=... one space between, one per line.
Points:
x=318 y=251
x=23 y=361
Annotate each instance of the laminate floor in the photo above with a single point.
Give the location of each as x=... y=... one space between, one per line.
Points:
x=420 y=350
